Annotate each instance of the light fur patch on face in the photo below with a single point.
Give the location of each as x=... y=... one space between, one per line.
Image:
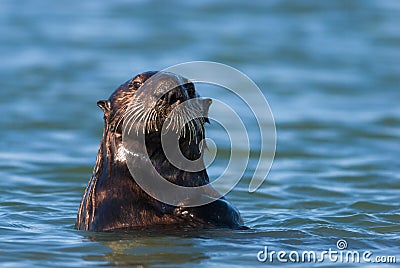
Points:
x=120 y=155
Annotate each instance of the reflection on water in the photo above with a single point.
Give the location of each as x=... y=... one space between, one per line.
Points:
x=329 y=70
x=143 y=247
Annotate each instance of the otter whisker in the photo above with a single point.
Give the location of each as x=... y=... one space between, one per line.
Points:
x=192 y=131
x=123 y=108
x=137 y=106
x=141 y=118
x=150 y=124
x=141 y=122
x=187 y=118
x=154 y=119
x=133 y=117
x=180 y=125
x=127 y=115
x=169 y=123
x=146 y=121
x=136 y=117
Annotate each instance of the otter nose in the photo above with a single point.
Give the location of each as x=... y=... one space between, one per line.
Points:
x=177 y=93
x=172 y=89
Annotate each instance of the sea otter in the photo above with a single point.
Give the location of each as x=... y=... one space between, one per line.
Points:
x=113 y=199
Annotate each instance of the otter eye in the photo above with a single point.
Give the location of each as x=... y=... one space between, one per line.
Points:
x=136 y=84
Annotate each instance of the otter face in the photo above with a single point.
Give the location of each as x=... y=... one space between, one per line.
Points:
x=115 y=107
x=153 y=100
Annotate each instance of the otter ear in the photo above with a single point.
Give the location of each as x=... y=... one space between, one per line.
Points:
x=206 y=103
x=105 y=105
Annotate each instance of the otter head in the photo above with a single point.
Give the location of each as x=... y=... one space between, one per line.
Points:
x=155 y=103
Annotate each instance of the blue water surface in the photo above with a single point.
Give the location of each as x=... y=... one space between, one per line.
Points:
x=329 y=70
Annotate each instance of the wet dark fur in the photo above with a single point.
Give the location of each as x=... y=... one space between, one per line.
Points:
x=113 y=200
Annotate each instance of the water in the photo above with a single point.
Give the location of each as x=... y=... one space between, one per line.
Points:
x=329 y=69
